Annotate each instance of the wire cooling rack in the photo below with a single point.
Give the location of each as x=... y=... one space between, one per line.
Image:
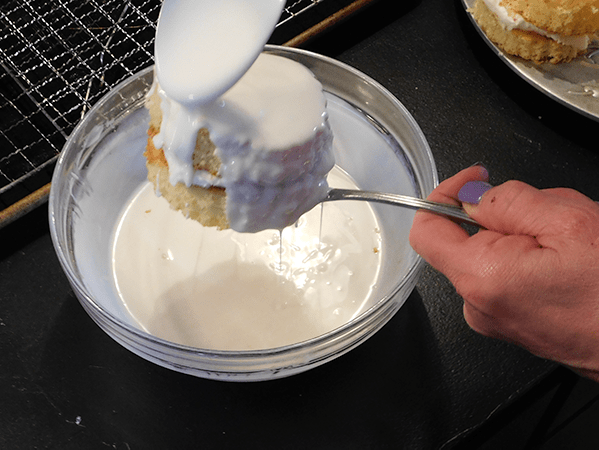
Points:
x=58 y=58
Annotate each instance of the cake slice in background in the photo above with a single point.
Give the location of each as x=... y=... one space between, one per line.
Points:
x=539 y=30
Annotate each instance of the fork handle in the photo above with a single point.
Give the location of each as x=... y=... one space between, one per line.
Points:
x=401 y=200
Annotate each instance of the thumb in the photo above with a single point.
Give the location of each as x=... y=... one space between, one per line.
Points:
x=516 y=208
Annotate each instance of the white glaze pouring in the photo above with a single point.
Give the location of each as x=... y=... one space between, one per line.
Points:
x=203 y=47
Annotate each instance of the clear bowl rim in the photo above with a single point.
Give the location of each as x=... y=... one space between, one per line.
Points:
x=231 y=355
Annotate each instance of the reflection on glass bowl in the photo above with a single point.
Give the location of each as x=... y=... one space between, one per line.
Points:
x=377 y=143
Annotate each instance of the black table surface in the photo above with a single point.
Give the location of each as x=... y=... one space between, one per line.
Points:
x=424 y=381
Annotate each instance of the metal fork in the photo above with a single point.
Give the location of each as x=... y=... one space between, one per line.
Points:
x=400 y=200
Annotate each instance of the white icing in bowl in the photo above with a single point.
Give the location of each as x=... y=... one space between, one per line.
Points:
x=377 y=143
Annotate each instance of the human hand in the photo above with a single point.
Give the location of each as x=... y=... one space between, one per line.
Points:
x=531 y=277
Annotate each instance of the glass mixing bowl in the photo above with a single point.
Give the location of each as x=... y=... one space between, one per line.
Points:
x=377 y=142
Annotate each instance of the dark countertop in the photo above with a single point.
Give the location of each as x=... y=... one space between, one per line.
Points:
x=424 y=381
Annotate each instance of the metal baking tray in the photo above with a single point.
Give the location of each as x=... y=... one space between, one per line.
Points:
x=574 y=84
x=59 y=57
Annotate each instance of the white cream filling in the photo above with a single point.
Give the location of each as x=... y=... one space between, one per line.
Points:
x=272 y=136
x=512 y=21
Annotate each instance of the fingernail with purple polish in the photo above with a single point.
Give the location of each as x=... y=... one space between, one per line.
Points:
x=472 y=191
x=482 y=167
